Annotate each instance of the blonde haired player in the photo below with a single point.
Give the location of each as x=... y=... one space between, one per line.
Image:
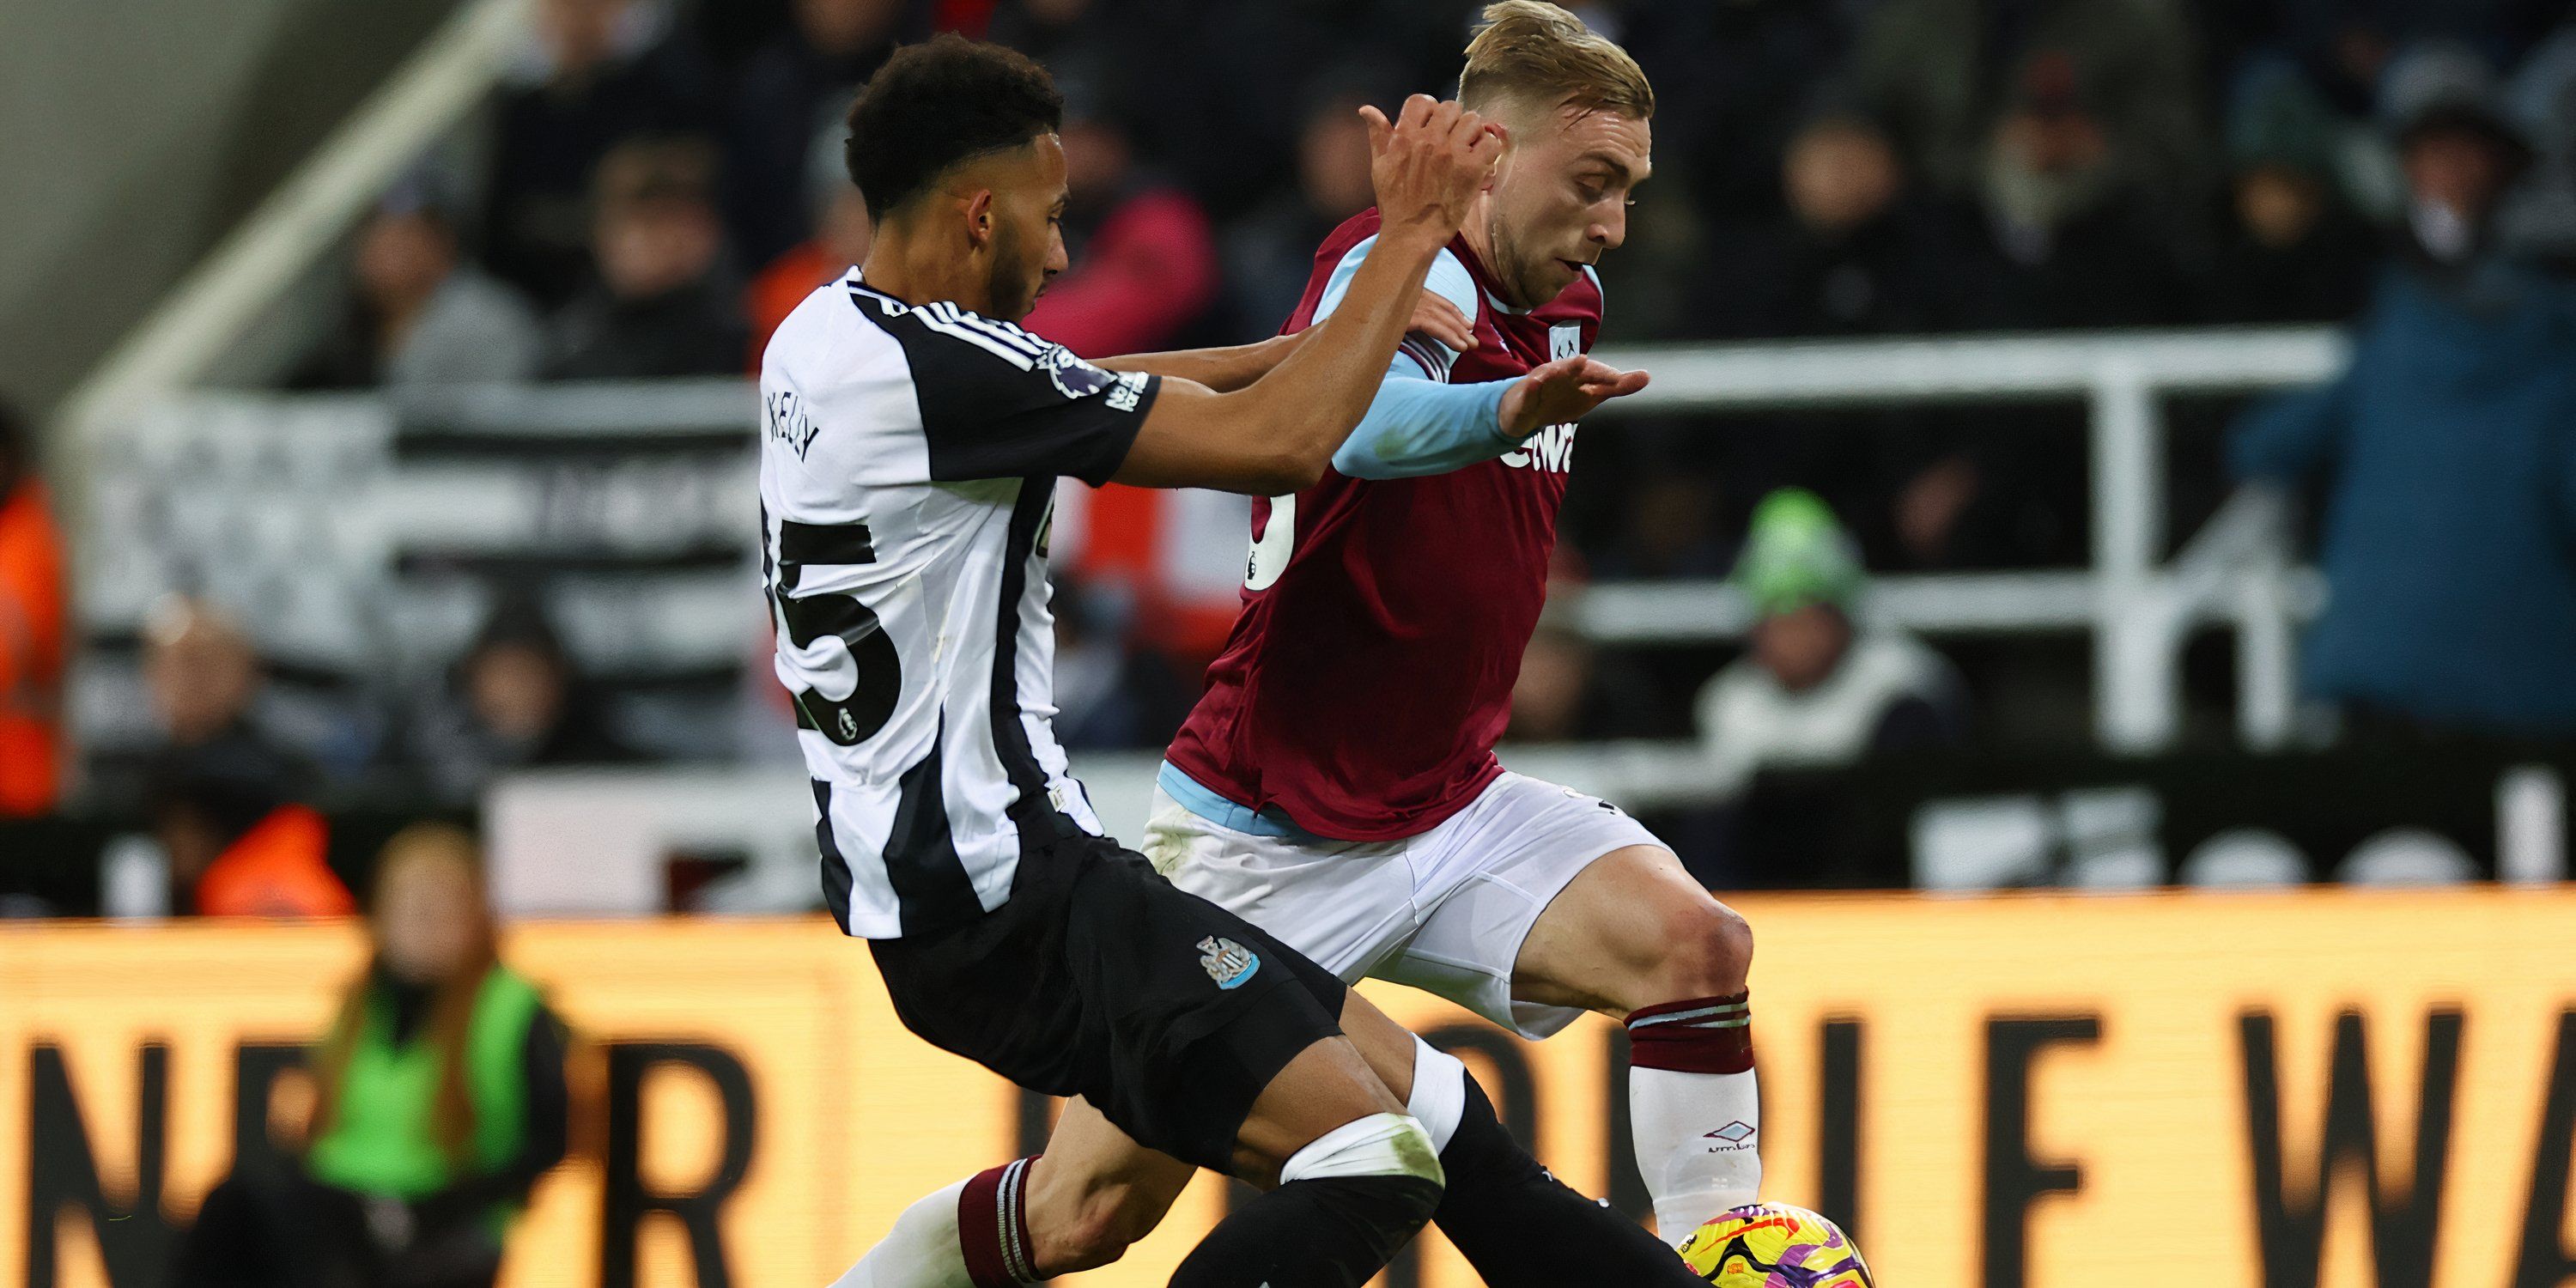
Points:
x=1337 y=785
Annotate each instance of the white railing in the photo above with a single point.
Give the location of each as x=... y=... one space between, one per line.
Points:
x=2138 y=607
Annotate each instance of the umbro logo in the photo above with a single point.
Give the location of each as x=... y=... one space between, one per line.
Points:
x=1734 y=1133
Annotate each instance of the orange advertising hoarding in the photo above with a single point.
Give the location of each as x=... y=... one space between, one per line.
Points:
x=2057 y=1091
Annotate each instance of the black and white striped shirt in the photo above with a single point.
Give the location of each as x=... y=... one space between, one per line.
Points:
x=907 y=473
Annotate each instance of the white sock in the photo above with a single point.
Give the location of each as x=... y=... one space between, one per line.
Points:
x=921 y=1251
x=1693 y=1110
x=1439 y=1096
x=1698 y=1141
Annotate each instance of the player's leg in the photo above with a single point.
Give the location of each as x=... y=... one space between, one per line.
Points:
x=1221 y=1047
x=1353 y=1178
x=1078 y=1206
x=1095 y=1192
x=1515 y=1223
x=1635 y=937
x=1348 y=907
x=1097 y=978
x=1545 y=903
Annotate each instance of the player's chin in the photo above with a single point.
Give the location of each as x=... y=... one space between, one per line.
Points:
x=1561 y=274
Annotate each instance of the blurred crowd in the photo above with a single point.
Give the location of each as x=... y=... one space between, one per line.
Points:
x=660 y=181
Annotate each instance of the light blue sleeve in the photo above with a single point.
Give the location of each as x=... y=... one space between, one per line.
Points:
x=1421 y=424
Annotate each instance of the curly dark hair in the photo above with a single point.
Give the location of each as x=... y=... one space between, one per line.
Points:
x=938 y=104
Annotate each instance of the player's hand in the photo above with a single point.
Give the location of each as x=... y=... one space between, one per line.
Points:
x=1562 y=391
x=1429 y=164
x=1435 y=316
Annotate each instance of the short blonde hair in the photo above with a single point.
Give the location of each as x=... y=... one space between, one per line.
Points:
x=1537 y=54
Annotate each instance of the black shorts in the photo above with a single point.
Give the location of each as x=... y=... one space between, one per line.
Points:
x=1100 y=979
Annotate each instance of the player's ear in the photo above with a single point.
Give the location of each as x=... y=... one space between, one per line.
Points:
x=979 y=216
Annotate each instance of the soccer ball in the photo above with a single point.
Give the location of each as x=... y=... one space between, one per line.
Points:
x=1774 y=1245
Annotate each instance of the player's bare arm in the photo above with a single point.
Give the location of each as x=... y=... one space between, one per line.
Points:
x=1278 y=434
x=1232 y=367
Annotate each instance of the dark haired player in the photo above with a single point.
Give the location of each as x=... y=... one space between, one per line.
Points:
x=1093 y=1191
x=1337 y=784
x=912 y=440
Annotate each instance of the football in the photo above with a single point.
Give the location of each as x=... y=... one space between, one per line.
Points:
x=1775 y=1245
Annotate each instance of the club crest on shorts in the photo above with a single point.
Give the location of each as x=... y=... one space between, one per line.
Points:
x=1227 y=962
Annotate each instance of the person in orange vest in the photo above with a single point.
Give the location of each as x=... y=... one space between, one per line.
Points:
x=32 y=631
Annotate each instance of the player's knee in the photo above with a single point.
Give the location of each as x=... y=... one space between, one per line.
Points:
x=1392 y=1145
x=1708 y=951
x=1382 y=1170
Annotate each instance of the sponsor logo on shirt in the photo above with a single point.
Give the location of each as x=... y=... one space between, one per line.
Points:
x=1549 y=451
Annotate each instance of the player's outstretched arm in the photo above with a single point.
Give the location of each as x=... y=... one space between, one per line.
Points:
x=1278 y=434
x=1562 y=392
x=1233 y=367
x=1419 y=426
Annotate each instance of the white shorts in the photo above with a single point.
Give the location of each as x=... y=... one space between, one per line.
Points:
x=1445 y=911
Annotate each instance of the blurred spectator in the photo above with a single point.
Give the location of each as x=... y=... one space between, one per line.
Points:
x=421 y=314
x=34 y=630
x=1942 y=71
x=2076 y=238
x=2348 y=45
x=1734 y=82
x=513 y=701
x=439 y=1099
x=661 y=306
x=1567 y=692
x=1855 y=253
x=2540 y=218
x=1271 y=253
x=2460 y=151
x=222 y=794
x=840 y=241
x=1145 y=261
x=1046 y=30
x=1145 y=273
x=599 y=72
x=2450 y=469
x=788 y=90
x=1110 y=694
x=1816 y=690
x=1667 y=531
x=2291 y=249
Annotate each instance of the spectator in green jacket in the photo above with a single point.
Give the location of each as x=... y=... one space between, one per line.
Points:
x=439 y=1099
